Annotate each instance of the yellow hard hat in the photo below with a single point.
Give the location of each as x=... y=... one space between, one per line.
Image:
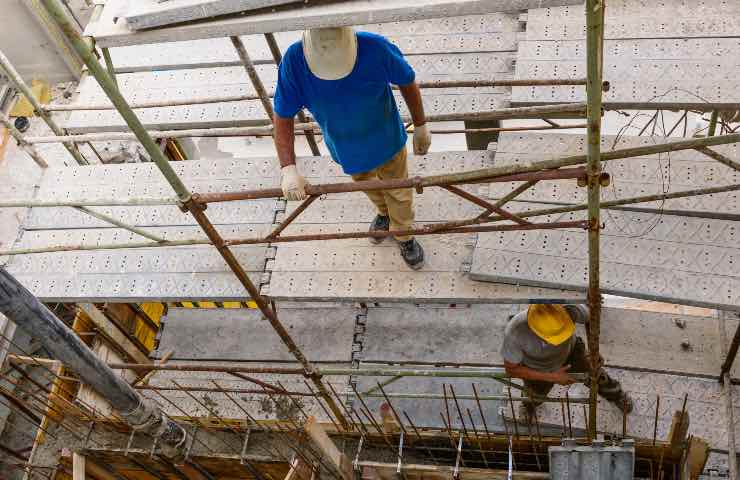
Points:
x=552 y=323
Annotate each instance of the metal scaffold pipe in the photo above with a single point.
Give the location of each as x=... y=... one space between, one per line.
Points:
x=240 y=98
x=594 y=55
x=307 y=129
x=56 y=11
x=28 y=313
x=20 y=84
x=452 y=227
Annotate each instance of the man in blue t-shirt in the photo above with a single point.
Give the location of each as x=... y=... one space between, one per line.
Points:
x=344 y=79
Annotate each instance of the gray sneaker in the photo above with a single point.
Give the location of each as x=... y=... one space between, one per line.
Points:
x=412 y=253
x=380 y=223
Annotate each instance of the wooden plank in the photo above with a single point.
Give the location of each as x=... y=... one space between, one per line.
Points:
x=113 y=334
x=78 y=466
x=337 y=459
x=696 y=457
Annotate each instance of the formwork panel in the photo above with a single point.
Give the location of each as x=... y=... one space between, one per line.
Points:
x=110 y=33
x=629 y=177
x=637 y=19
x=419 y=39
x=242 y=334
x=675 y=264
x=646 y=61
x=473 y=335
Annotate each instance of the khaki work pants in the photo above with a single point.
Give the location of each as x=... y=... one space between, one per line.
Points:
x=609 y=388
x=398 y=204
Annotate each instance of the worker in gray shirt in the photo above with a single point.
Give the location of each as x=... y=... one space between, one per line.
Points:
x=540 y=347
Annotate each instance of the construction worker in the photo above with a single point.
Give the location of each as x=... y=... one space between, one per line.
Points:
x=540 y=347
x=344 y=79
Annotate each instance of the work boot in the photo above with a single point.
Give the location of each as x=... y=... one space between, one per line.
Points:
x=380 y=223
x=412 y=253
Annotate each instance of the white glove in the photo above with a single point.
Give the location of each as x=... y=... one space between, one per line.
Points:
x=292 y=183
x=422 y=139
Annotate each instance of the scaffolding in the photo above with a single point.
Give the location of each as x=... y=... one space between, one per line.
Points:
x=585 y=168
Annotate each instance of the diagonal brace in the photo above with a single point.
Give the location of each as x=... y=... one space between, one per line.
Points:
x=303 y=206
x=719 y=157
x=490 y=207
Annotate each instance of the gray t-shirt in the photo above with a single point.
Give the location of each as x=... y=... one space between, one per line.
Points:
x=523 y=347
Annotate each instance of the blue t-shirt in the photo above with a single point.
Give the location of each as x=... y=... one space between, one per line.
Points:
x=357 y=114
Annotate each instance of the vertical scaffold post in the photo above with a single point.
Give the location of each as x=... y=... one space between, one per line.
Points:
x=55 y=9
x=594 y=54
x=259 y=87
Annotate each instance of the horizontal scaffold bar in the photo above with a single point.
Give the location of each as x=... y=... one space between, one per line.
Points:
x=264 y=131
x=240 y=98
x=431 y=229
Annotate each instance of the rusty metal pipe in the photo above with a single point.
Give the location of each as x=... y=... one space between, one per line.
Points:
x=429 y=230
x=372 y=185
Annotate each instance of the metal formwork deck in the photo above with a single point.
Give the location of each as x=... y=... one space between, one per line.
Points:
x=226 y=81
x=667 y=257
x=359 y=271
x=109 y=32
x=451 y=49
x=466 y=34
x=629 y=177
x=686 y=59
x=161 y=274
x=241 y=334
x=330 y=270
x=472 y=335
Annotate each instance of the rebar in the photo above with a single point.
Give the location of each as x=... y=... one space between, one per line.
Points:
x=655 y=424
x=390 y=405
x=459 y=414
x=418 y=435
x=477 y=438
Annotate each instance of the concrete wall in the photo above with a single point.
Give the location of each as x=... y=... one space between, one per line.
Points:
x=29 y=46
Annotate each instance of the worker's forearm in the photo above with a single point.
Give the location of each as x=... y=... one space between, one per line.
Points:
x=412 y=96
x=285 y=140
x=526 y=373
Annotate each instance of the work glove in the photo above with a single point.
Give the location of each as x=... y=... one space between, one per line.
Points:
x=422 y=139
x=292 y=183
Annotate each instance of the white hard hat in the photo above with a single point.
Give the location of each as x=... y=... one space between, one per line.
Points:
x=330 y=52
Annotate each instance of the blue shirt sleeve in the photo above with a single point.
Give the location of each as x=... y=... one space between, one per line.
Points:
x=288 y=99
x=397 y=68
